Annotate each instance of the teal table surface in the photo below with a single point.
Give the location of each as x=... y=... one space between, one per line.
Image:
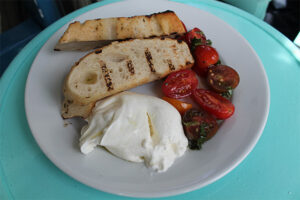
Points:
x=270 y=172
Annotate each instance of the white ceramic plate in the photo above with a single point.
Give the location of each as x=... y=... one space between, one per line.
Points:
x=103 y=171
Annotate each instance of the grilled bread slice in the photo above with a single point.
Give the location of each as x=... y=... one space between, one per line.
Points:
x=99 y=32
x=121 y=66
x=72 y=109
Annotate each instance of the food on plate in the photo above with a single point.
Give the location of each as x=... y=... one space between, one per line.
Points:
x=121 y=66
x=194 y=36
x=137 y=128
x=199 y=126
x=214 y=103
x=228 y=94
x=180 y=84
x=140 y=128
x=202 y=122
x=222 y=78
x=70 y=109
x=182 y=107
x=96 y=33
x=205 y=56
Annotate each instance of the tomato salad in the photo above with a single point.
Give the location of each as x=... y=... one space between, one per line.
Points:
x=201 y=124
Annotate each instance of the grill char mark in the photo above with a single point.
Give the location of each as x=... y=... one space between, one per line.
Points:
x=98 y=51
x=66 y=106
x=149 y=60
x=106 y=76
x=171 y=66
x=130 y=67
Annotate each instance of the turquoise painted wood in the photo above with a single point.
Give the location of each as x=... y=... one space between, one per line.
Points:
x=271 y=171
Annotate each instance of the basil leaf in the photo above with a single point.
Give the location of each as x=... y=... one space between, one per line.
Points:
x=196 y=42
x=227 y=94
x=208 y=42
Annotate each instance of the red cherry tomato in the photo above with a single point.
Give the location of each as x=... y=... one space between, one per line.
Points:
x=180 y=84
x=194 y=33
x=222 y=78
x=213 y=103
x=205 y=56
x=199 y=126
x=184 y=26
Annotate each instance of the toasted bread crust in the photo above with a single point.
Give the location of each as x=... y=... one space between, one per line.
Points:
x=71 y=109
x=90 y=33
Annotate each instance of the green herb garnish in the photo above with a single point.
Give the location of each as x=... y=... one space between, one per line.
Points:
x=208 y=42
x=196 y=42
x=199 y=41
x=203 y=131
x=192 y=123
x=200 y=33
x=227 y=94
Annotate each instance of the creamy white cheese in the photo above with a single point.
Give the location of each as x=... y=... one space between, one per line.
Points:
x=136 y=128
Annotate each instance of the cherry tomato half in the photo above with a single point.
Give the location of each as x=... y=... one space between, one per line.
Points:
x=195 y=33
x=182 y=107
x=214 y=103
x=199 y=126
x=205 y=56
x=180 y=84
x=222 y=78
